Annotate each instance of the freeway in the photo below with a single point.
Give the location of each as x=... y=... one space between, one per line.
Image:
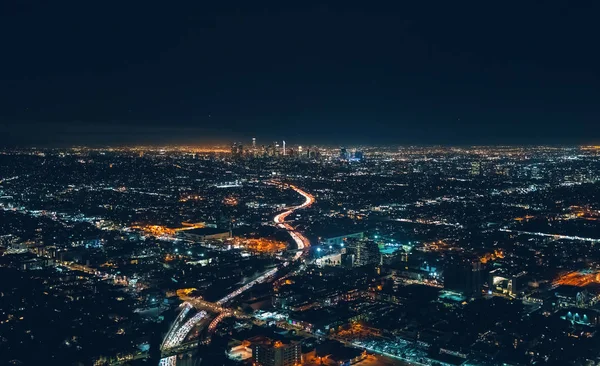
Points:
x=177 y=323
x=177 y=337
x=179 y=330
x=554 y=236
x=301 y=241
x=260 y=279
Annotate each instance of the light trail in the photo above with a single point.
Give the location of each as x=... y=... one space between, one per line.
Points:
x=174 y=339
x=184 y=312
x=235 y=293
x=430 y=222
x=309 y=200
x=213 y=325
x=178 y=332
x=301 y=241
x=555 y=236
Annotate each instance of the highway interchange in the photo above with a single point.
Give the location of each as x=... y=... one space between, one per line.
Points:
x=181 y=327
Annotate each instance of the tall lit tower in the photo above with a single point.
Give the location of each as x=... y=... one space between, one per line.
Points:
x=283 y=147
x=254 y=142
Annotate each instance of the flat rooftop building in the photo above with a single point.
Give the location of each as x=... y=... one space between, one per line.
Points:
x=205 y=233
x=268 y=352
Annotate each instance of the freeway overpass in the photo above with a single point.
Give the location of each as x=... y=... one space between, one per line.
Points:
x=183 y=324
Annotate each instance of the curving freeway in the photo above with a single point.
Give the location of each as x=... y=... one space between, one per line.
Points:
x=176 y=325
x=180 y=329
x=301 y=241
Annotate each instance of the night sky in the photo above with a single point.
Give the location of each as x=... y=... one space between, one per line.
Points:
x=416 y=72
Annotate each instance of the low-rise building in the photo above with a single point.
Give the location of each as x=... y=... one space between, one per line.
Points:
x=269 y=352
x=205 y=233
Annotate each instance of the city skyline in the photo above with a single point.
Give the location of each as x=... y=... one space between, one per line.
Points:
x=276 y=183
x=244 y=256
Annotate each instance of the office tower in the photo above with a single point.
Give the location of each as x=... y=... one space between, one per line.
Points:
x=465 y=276
x=343 y=153
x=284 y=153
x=237 y=149
x=363 y=251
x=254 y=142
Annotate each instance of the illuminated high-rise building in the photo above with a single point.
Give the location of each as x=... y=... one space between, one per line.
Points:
x=343 y=153
x=237 y=149
x=363 y=251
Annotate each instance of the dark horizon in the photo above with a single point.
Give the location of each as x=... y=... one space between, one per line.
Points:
x=159 y=139
x=119 y=136
x=80 y=74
